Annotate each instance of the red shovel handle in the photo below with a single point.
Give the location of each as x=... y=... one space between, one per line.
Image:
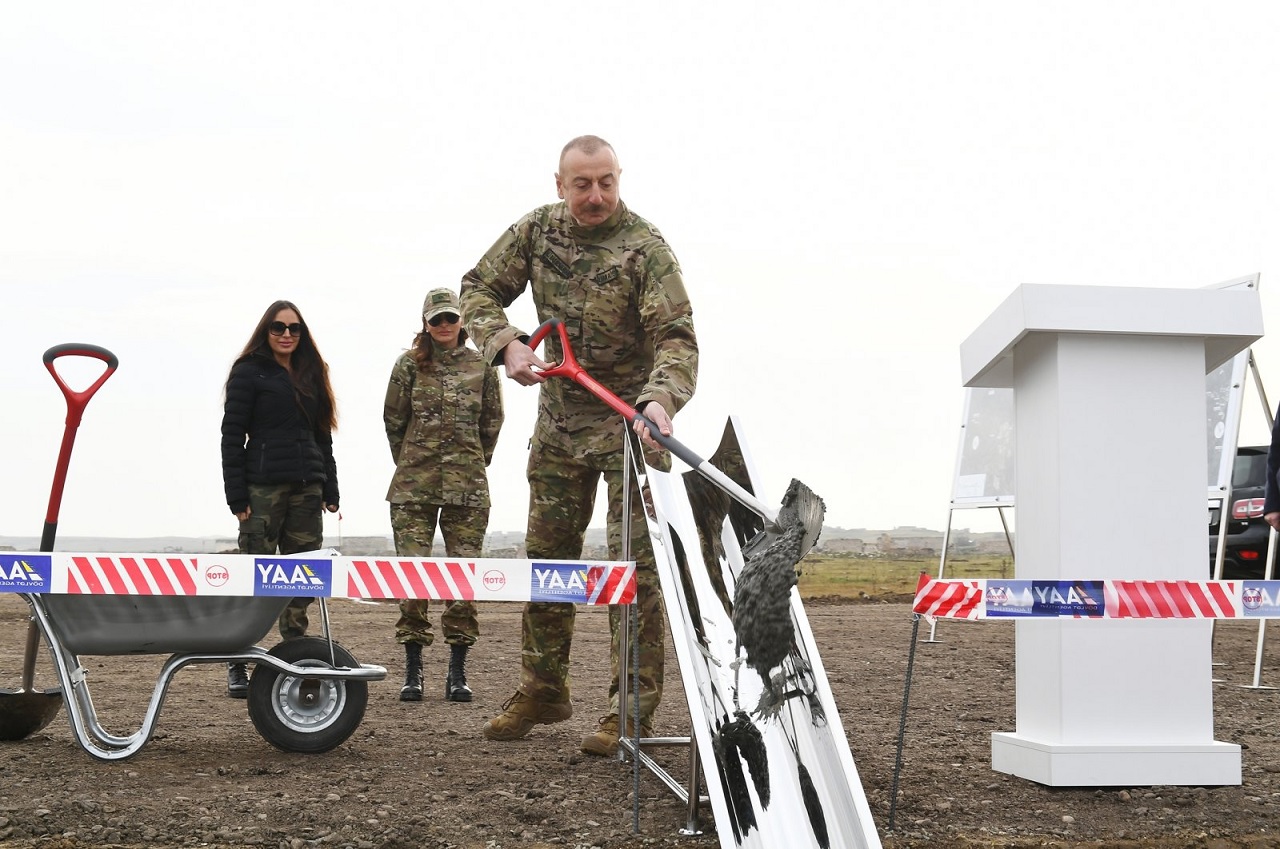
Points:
x=569 y=368
x=76 y=402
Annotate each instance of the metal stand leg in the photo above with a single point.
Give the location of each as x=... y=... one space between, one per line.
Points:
x=629 y=661
x=902 y=721
x=691 y=826
x=625 y=638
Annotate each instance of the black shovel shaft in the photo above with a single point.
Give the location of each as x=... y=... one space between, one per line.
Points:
x=76 y=402
x=29 y=655
x=569 y=368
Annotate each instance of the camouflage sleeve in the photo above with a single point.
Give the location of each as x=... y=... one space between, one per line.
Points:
x=668 y=320
x=491 y=413
x=397 y=409
x=497 y=280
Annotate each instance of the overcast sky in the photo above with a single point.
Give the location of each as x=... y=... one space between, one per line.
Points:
x=851 y=189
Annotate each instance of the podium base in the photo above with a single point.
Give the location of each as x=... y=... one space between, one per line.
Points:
x=1055 y=765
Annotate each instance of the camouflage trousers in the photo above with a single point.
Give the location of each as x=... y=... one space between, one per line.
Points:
x=463 y=528
x=284 y=519
x=562 y=493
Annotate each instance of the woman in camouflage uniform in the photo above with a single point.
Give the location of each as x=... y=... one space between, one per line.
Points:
x=277 y=451
x=443 y=412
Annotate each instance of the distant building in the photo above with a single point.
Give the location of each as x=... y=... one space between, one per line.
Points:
x=849 y=545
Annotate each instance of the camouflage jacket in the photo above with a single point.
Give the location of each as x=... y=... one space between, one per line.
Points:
x=618 y=290
x=442 y=425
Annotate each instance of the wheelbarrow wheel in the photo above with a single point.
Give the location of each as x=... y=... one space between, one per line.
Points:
x=306 y=715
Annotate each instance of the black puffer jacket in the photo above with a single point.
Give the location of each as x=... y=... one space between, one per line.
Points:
x=272 y=434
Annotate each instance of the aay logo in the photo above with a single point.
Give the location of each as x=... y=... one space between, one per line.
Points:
x=558 y=582
x=292 y=576
x=1045 y=598
x=25 y=574
x=494 y=580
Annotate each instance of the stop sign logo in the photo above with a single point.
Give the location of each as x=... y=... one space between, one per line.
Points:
x=494 y=580
x=216 y=575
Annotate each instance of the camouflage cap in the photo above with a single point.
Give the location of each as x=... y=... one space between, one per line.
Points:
x=440 y=301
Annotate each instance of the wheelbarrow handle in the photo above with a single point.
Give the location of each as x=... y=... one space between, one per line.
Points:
x=76 y=402
x=568 y=367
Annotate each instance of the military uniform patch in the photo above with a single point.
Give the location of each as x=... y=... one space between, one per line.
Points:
x=607 y=276
x=550 y=258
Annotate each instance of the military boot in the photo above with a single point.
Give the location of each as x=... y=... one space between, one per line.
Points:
x=521 y=713
x=237 y=681
x=455 y=682
x=604 y=742
x=412 y=689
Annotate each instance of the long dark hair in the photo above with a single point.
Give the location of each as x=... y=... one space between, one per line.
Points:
x=421 y=350
x=310 y=371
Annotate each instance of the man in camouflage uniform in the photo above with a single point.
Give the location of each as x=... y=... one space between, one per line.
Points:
x=613 y=281
x=442 y=412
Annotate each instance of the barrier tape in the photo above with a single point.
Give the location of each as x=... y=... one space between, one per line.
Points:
x=319 y=574
x=992 y=598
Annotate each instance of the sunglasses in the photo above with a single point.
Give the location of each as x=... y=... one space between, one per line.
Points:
x=277 y=328
x=437 y=320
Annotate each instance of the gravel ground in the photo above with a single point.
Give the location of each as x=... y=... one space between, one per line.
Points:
x=421 y=775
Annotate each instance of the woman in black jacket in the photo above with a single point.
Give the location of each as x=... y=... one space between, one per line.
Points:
x=277 y=451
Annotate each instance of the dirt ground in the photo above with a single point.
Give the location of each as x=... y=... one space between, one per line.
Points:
x=421 y=775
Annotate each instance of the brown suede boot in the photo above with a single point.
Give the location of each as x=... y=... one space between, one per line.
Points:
x=521 y=713
x=604 y=742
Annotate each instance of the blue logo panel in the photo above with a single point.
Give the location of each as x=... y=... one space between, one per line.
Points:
x=292 y=576
x=1260 y=599
x=1045 y=598
x=24 y=573
x=1009 y=598
x=558 y=582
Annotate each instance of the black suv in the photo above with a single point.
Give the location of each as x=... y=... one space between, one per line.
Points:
x=1247 y=532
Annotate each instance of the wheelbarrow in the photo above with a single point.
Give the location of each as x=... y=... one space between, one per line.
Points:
x=305 y=695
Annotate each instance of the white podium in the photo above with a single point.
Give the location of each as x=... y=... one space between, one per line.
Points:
x=1110 y=421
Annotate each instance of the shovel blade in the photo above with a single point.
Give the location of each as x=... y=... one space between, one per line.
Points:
x=803 y=507
x=24 y=712
x=799 y=522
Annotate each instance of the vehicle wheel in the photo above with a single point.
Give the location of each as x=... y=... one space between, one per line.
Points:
x=306 y=715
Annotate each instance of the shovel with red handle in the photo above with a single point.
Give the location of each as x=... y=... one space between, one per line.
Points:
x=26 y=710
x=569 y=368
x=761 y=618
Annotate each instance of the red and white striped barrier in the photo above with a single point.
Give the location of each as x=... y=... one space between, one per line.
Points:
x=319 y=574
x=1002 y=598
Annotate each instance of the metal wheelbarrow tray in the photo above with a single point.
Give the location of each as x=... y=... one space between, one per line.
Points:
x=305 y=695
